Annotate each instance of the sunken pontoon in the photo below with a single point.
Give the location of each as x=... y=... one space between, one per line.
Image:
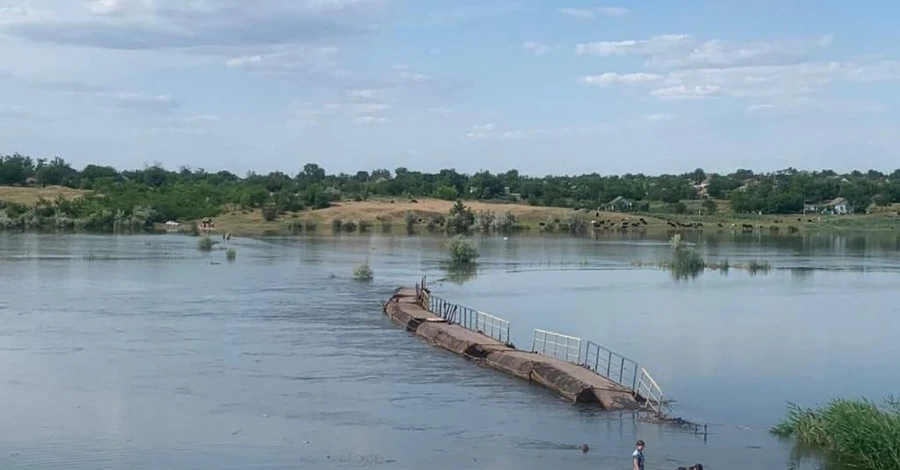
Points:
x=555 y=362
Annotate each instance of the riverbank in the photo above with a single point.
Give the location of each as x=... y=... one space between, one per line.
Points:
x=391 y=215
x=383 y=214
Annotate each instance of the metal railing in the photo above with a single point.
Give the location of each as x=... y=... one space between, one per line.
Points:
x=485 y=323
x=649 y=390
x=611 y=365
x=556 y=345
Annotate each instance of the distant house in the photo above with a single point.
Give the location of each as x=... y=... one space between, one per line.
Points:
x=619 y=204
x=206 y=224
x=837 y=206
x=809 y=208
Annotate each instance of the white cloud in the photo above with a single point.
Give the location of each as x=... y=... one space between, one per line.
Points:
x=170 y=24
x=369 y=120
x=536 y=48
x=683 y=92
x=680 y=50
x=655 y=45
x=483 y=127
x=660 y=117
x=768 y=81
x=590 y=13
x=362 y=94
x=610 y=78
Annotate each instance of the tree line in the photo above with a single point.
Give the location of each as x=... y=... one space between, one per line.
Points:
x=158 y=194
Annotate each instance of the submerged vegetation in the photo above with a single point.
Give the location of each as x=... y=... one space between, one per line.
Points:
x=856 y=432
x=363 y=272
x=231 y=254
x=462 y=251
x=205 y=243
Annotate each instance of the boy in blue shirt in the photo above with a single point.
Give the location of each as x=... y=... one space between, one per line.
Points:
x=637 y=458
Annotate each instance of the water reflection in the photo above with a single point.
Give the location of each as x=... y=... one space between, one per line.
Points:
x=461 y=273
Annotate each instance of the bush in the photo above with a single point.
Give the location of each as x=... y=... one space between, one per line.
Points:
x=485 y=221
x=461 y=218
x=294 y=226
x=363 y=272
x=857 y=432
x=411 y=219
x=348 y=226
x=310 y=226
x=365 y=225
x=205 y=243
x=336 y=225
x=269 y=213
x=462 y=251
x=387 y=224
x=507 y=223
x=677 y=207
x=435 y=223
x=231 y=254
x=575 y=223
x=710 y=206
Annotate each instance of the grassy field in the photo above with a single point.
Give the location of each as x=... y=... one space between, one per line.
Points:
x=251 y=222
x=29 y=196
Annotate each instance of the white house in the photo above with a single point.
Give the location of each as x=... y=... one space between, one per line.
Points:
x=838 y=206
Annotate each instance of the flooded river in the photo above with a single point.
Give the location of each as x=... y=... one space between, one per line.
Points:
x=123 y=352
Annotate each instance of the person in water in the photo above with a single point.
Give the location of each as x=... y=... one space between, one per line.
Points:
x=637 y=458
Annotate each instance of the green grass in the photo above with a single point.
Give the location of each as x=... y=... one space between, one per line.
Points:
x=856 y=432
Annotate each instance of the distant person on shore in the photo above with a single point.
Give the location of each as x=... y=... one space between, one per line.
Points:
x=637 y=458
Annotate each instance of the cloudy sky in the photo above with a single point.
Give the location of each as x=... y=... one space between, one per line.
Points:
x=542 y=86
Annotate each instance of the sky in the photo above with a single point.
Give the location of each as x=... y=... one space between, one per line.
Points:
x=547 y=87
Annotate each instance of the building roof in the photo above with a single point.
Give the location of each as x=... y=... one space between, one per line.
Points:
x=619 y=199
x=836 y=201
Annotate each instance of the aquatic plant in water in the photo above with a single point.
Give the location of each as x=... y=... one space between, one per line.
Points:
x=462 y=251
x=205 y=243
x=231 y=254
x=363 y=272
x=857 y=432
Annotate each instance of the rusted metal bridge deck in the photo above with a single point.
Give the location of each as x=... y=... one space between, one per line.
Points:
x=408 y=307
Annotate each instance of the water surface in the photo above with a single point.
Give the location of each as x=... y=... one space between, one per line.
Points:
x=128 y=352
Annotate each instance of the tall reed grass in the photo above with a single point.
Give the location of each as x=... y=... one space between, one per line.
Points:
x=856 y=432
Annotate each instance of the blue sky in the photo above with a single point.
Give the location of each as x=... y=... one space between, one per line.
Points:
x=542 y=86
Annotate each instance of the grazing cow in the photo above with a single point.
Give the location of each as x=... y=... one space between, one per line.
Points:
x=643 y=221
x=414 y=201
x=719 y=225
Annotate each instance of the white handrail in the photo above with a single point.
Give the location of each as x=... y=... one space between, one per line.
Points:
x=557 y=345
x=649 y=390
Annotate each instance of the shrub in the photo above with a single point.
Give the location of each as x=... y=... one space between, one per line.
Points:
x=710 y=206
x=336 y=225
x=294 y=226
x=269 y=213
x=461 y=218
x=387 y=224
x=411 y=219
x=678 y=207
x=363 y=272
x=435 y=223
x=507 y=223
x=365 y=225
x=310 y=226
x=485 y=221
x=205 y=243
x=575 y=223
x=348 y=226
x=231 y=254
x=857 y=432
x=462 y=251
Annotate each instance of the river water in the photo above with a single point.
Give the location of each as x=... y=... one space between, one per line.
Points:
x=123 y=352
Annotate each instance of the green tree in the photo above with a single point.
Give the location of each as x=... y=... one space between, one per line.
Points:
x=461 y=218
x=710 y=206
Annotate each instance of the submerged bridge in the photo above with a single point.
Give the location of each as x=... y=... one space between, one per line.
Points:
x=581 y=371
